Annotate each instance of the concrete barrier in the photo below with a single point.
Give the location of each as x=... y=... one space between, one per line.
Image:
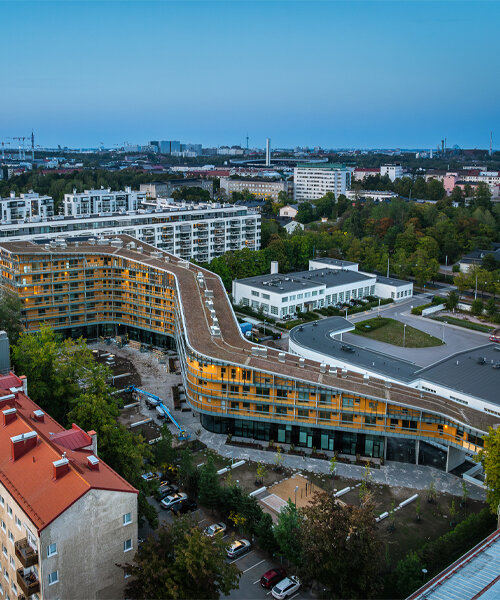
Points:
x=257 y=492
x=381 y=517
x=238 y=464
x=433 y=309
x=342 y=492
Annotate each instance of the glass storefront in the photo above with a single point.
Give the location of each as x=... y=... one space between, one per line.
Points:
x=344 y=442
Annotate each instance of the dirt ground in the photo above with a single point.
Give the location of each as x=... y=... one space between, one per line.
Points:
x=286 y=490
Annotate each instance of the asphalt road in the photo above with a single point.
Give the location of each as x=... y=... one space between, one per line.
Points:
x=456 y=339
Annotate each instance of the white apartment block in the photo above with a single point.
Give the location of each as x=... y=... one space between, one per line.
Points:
x=66 y=518
x=393 y=171
x=191 y=231
x=375 y=195
x=261 y=188
x=314 y=181
x=28 y=206
x=103 y=201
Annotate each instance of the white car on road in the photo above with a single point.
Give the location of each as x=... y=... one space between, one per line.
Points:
x=286 y=587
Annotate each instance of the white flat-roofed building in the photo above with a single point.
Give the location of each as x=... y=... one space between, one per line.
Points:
x=397 y=289
x=279 y=295
x=332 y=263
x=261 y=188
x=314 y=181
x=190 y=231
x=103 y=201
x=29 y=205
x=393 y=171
x=375 y=195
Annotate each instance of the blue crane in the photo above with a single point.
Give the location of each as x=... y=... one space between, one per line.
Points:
x=161 y=408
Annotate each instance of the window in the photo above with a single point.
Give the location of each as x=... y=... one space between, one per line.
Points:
x=2 y=501
x=14 y=587
x=127 y=518
x=53 y=577
x=52 y=549
x=18 y=522
x=11 y=537
x=4 y=550
x=4 y=528
x=12 y=563
x=255 y=293
x=347 y=418
x=9 y=511
x=304 y=413
x=127 y=545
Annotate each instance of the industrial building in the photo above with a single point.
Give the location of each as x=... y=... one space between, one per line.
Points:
x=315 y=180
x=164 y=189
x=121 y=286
x=66 y=518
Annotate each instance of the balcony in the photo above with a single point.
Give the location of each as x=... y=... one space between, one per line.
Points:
x=28 y=582
x=25 y=553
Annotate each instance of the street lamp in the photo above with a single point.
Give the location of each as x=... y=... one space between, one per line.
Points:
x=378 y=308
x=296 y=490
x=442 y=339
x=404 y=335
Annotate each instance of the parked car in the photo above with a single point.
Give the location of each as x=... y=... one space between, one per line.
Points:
x=272 y=577
x=183 y=506
x=172 y=499
x=166 y=490
x=215 y=529
x=238 y=548
x=286 y=587
x=151 y=476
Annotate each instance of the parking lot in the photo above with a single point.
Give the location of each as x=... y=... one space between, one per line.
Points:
x=252 y=565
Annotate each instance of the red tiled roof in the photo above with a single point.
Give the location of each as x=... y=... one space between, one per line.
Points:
x=30 y=478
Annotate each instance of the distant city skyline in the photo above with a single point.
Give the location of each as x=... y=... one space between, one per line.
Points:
x=329 y=74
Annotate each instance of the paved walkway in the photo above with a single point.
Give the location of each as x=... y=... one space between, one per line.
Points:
x=392 y=473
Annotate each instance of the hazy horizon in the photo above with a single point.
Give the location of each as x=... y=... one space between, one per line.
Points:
x=330 y=74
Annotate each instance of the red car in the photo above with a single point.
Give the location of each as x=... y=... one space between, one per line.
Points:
x=272 y=577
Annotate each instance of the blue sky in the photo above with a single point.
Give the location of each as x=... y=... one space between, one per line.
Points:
x=329 y=73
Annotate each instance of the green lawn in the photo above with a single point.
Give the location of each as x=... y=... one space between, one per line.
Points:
x=392 y=332
x=466 y=324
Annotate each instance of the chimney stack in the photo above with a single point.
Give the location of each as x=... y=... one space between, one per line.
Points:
x=20 y=444
x=9 y=415
x=93 y=463
x=61 y=467
x=93 y=435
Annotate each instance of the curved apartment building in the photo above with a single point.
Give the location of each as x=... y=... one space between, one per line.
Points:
x=119 y=286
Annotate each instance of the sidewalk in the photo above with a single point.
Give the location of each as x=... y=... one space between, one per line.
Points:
x=392 y=473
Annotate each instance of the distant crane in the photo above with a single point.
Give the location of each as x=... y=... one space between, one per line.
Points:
x=247 y=140
x=21 y=138
x=3 y=148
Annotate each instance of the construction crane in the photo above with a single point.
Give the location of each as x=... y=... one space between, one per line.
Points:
x=161 y=409
x=22 y=154
x=3 y=148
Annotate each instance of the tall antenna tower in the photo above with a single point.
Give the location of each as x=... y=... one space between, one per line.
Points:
x=32 y=146
x=247 y=141
x=491 y=143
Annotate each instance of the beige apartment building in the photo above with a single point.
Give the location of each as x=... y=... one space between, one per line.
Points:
x=66 y=518
x=260 y=188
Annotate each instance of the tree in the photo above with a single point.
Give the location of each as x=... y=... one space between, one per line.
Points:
x=491 y=308
x=209 y=486
x=341 y=547
x=332 y=466
x=181 y=563
x=261 y=472
x=489 y=456
x=10 y=315
x=431 y=492
x=56 y=369
x=477 y=307
x=408 y=575
x=288 y=532
x=163 y=452
x=188 y=473
x=452 y=300
x=305 y=213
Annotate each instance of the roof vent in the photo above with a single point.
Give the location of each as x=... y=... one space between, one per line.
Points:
x=9 y=415
x=302 y=362
x=61 y=467
x=93 y=462
x=322 y=368
x=281 y=357
x=39 y=415
x=20 y=444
